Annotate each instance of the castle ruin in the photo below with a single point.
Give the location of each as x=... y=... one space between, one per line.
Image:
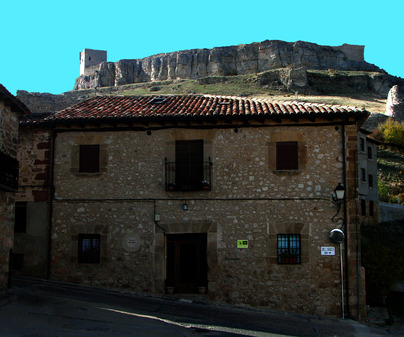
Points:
x=243 y=59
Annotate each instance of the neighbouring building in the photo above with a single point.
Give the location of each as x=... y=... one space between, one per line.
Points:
x=231 y=197
x=368 y=209
x=10 y=109
x=31 y=229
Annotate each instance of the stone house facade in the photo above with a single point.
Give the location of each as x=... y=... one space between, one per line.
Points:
x=230 y=197
x=10 y=109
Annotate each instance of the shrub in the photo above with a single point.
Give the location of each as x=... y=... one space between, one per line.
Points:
x=384 y=191
x=392 y=132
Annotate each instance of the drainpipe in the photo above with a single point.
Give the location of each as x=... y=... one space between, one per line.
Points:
x=345 y=215
x=51 y=198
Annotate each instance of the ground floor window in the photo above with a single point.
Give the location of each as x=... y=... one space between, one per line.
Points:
x=289 y=251
x=89 y=248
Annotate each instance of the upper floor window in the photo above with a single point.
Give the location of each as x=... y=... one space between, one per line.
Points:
x=8 y=173
x=370 y=153
x=370 y=180
x=289 y=250
x=89 y=161
x=363 y=174
x=189 y=171
x=287 y=156
x=362 y=144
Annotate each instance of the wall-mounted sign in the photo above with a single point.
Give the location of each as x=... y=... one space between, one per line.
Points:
x=130 y=242
x=242 y=243
x=327 y=250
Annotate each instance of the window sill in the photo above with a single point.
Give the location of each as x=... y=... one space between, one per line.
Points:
x=286 y=172
x=87 y=174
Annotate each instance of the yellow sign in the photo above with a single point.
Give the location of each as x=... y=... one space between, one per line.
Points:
x=242 y=243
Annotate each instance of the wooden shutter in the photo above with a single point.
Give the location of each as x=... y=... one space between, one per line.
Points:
x=287 y=156
x=89 y=158
x=189 y=164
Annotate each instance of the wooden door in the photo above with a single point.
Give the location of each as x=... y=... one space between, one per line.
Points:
x=186 y=262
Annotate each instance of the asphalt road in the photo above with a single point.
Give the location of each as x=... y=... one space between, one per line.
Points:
x=35 y=308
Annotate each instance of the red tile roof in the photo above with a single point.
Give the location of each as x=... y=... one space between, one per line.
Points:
x=193 y=107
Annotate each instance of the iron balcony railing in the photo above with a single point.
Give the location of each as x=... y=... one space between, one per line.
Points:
x=8 y=173
x=188 y=176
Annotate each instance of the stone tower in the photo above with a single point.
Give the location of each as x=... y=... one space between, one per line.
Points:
x=91 y=57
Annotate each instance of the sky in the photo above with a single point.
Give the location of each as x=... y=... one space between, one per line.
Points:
x=41 y=40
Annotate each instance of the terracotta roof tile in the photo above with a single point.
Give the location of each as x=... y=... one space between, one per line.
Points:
x=193 y=107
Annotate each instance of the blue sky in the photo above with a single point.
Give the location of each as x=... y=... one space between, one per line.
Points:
x=41 y=40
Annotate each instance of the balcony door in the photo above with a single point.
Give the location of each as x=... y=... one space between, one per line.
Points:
x=189 y=164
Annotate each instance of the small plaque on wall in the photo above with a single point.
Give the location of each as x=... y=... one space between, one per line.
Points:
x=131 y=242
x=242 y=243
x=327 y=250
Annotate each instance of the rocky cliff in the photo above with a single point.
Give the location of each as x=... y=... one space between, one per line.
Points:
x=224 y=61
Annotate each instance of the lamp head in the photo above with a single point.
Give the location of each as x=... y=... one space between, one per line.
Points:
x=339 y=193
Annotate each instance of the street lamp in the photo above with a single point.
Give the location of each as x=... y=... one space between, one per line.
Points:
x=337 y=197
x=339 y=193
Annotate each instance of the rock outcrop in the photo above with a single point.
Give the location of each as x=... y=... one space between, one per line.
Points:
x=395 y=103
x=224 y=61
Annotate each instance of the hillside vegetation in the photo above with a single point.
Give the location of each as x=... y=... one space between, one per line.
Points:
x=251 y=86
x=390 y=161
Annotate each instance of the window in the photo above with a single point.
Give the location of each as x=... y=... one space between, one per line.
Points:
x=17 y=262
x=89 y=160
x=363 y=174
x=89 y=248
x=370 y=153
x=158 y=100
x=287 y=156
x=8 y=173
x=371 y=208
x=189 y=164
x=289 y=249
x=363 y=207
x=370 y=180
x=362 y=144
x=20 y=222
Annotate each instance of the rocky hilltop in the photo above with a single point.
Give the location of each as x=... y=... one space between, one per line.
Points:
x=225 y=61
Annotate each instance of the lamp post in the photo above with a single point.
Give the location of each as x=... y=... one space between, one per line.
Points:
x=337 y=236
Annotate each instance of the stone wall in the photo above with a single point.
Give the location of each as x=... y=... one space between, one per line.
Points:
x=8 y=146
x=353 y=52
x=248 y=201
x=34 y=155
x=223 y=61
x=390 y=212
x=45 y=102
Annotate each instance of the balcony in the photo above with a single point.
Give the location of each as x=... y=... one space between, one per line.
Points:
x=188 y=176
x=8 y=173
